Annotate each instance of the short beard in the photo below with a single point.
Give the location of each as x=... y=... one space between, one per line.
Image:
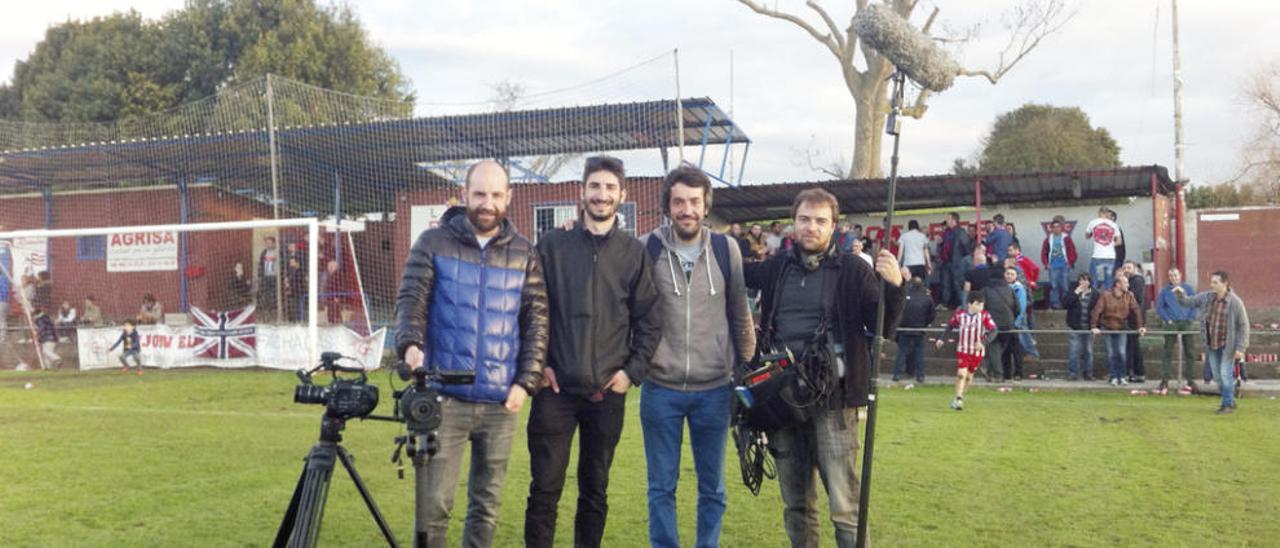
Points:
x=697 y=230
x=473 y=215
x=600 y=218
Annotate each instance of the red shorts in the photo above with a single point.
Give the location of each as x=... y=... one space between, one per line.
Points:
x=968 y=361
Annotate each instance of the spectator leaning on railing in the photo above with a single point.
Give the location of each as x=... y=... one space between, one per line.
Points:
x=1079 y=303
x=1177 y=317
x=1115 y=308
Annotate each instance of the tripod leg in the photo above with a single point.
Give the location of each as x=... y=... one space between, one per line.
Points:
x=291 y=514
x=368 y=498
x=301 y=525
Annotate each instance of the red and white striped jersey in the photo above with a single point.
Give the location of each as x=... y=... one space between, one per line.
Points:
x=972 y=329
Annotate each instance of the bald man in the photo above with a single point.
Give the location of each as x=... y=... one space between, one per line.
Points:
x=473 y=299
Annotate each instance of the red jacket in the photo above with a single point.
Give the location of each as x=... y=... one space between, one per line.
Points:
x=1030 y=269
x=1071 y=252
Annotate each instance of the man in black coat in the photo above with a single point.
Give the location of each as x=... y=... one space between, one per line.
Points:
x=603 y=334
x=822 y=303
x=918 y=312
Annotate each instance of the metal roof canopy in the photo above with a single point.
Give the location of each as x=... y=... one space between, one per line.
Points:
x=773 y=201
x=372 y=158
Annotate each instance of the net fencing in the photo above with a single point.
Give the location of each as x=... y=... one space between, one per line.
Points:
x=383 y=171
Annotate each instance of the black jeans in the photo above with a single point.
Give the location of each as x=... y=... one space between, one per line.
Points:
x=551 y=425
x=1010 y=355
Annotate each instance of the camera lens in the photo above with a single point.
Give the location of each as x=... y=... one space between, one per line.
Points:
x=309 y=393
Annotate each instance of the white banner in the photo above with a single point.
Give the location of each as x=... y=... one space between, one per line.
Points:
x=142 y=251
x=423 y=218
x=30 y=257
x=279 y=347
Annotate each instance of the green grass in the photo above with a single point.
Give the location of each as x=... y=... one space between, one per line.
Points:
x=179 y=458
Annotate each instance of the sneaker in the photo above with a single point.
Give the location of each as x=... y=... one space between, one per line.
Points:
x=1114 y=382
x=1073 y=378
x=1164 y=385
x=1017 y=378
x=957 y=404
x=1123 y=381
x=919 y=380
x=1224 y=410
x=896 y=378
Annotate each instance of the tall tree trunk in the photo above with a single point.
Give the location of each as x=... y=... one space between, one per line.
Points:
x=870 y=112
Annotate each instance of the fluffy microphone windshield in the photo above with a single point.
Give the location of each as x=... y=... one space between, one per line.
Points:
x=914 y=53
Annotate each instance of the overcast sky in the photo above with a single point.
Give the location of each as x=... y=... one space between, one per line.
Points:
x=1113 y=60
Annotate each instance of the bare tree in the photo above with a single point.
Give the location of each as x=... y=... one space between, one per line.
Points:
x=1028 y=24
x=507 y=96
x=1260 y=157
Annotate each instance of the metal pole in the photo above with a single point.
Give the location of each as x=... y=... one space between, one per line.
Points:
x=1177 y=100
x=271 y=142
x=313 y=307
x=675 y=53
x=868 y=451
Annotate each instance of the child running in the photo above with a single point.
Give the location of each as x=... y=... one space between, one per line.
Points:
x=977 y=330
x=129 y=338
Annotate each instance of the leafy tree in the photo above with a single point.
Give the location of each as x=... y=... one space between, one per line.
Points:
x=121 y=65
x=1046 y=138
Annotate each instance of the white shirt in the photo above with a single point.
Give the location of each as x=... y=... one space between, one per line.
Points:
x=1104 y=233
x=772 y=242
x=867 y=258
x=914 y=244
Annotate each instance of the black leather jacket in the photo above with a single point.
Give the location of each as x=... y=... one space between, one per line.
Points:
x=475 y=309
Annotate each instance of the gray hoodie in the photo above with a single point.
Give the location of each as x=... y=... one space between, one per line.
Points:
x=695 y=352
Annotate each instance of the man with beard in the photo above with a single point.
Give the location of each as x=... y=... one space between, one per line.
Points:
x=473 y=299
x=603 y=334
x=697 y=275
x=820 y=304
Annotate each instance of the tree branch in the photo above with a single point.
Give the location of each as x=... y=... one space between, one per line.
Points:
x=831 y=42
x=1032 y=23
x=831 y=24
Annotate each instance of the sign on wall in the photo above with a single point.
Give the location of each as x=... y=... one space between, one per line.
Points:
x=142 y=251
x=423 y=218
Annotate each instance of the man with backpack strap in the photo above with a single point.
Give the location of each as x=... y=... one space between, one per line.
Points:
x=697 y=274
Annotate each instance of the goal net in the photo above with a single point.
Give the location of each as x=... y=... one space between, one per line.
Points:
x=269 y=293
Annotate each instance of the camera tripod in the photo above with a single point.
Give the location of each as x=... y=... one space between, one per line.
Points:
x=301 y=524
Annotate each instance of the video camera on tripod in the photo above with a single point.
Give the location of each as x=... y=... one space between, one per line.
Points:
x=419 y=408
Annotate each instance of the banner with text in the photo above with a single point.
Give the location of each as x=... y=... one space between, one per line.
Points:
x=142 y=251
x=278 y=347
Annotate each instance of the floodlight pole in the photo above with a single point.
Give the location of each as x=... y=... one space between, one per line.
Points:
x=892 y=126
x=675 y=54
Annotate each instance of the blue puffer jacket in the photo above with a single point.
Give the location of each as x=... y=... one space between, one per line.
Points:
x=473 y=309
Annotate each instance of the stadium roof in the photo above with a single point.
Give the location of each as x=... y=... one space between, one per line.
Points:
x=374 y=158
x=773 y=201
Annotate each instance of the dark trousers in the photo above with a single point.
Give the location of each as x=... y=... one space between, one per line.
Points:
x=1010 y=355
x=1133 y=357
x=552 y=422
x=995 y=351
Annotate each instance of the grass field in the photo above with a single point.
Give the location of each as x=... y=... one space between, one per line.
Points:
x=178 y=458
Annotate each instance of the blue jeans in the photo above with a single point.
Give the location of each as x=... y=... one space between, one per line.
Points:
x=1115 y=343
x=828 y=445
x=663 y=412
x=1080 y=354
x=1058 y=279
x=910 y=355
x=1103 y=272
x=1222 y=363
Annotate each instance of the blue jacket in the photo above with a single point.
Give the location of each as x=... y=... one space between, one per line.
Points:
x=998 y=244
x=473 y=309
x=1167 y=306
x=132 y=345
x=6 y=270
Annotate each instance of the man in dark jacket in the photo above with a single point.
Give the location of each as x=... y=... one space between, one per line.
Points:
x=1003 y=307
x=1079 y=303
x=603 y=334
x=706 y=329
x=804 y=290
x=1134 y=362
x=473 y=299
x=956 y=252
x=918 y=312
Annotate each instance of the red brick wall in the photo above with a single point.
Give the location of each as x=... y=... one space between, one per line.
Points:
x=1244 y=248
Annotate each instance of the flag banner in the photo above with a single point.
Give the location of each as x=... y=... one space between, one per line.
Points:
x=277 y=347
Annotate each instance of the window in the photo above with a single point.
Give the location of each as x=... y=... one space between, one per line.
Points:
x=549 y=216
x=91 y=248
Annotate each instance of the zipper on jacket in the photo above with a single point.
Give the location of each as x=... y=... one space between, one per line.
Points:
x=688 y=305
x=591 y=290
x=484 y=262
